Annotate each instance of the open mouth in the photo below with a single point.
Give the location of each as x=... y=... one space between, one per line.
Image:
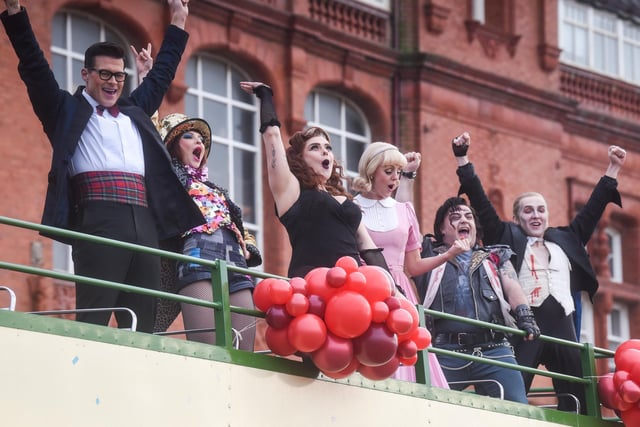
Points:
x=197 y=153
x=110 y=91
x=463 y=232
x=326 y=164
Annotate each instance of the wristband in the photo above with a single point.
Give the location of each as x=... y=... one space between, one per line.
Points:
x=409 y=175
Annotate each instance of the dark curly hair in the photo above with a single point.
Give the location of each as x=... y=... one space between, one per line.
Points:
x=452 y=204
x=305 y=175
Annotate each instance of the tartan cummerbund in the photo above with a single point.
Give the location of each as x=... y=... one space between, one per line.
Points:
x=120 y=187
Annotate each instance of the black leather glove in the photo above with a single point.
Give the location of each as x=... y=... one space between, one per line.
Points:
x=527 y=321
x=268 y=115
x=459 y=150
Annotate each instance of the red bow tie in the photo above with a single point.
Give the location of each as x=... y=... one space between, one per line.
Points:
x=114 y=110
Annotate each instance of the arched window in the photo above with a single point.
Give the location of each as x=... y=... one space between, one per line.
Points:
x=72 y=33
x=346 y=125
x=214 y=94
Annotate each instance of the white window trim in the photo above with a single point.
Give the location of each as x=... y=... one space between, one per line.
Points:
x=478 y=11
x=380 y=4
x=590 y=28
x=587 y=330
x=615 y=254
x=615 y=340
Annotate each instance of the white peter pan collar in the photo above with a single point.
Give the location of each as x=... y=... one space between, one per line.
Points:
x=378 y=215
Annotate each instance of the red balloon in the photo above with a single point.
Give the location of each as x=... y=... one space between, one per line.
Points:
x=629 y=391
x=631 y=417
x=262 y=296
x=380 y=372
x=280 y=291
x=606 y=391
x=336 y=277
x=409 y=361
x=355 y=282
x=299 y=285
x=422 y=337
x=379 y=312
x=348 y=264
x=353 y=366
x=408 y=305
x=317 y=306
x=277 y=317
x=393 y=303
x=626 y=359
x=619 y=377
x=620 y=404
x=307 y=332
x=634 y=374
x=317 y=283
x=377 y=346
x=400 y=321
x=377 y=288
x=278 y=341
x=298 y=304
x=335 y=354
x=407 y=349
x=634 y=343
x=348 y=314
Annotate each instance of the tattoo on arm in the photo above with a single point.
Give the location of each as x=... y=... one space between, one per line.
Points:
x=508 y=271
x=273 y=157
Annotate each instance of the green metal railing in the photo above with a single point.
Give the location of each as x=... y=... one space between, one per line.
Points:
x=223 y=309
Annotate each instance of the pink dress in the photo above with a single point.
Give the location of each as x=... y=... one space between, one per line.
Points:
x=394 y=227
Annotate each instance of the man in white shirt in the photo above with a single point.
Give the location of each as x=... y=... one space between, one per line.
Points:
x=551 y=262
x=110 y=173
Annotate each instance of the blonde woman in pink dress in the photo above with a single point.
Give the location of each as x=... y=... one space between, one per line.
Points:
x=394 y=227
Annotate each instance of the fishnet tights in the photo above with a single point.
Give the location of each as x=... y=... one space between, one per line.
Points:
x=198 y=317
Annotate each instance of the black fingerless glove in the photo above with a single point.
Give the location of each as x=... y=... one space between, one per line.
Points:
x=268 y=115
x=374 y=257
x=526 y=321
x=459 y=150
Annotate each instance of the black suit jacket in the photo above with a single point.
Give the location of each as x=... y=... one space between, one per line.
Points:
x=571 y=239
x=64 y=117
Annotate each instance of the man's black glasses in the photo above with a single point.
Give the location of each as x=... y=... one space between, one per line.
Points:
x=106 y=75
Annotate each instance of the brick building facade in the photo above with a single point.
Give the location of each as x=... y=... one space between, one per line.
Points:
x=411 y=72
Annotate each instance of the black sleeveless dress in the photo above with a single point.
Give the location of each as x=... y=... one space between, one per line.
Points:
x=321 y=230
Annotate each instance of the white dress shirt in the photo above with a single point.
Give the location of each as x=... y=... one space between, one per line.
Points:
x=108 y=144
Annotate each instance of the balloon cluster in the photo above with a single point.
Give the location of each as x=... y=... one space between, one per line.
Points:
x=620 y=390
x=344 y=318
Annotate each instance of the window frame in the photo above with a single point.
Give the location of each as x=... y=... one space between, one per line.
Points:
x=254 y=146
x=614 y=340
x=624 y=65
x=614 y=254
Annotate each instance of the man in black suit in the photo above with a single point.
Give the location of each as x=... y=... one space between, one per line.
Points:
x=110 y=173
x=551 y=262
